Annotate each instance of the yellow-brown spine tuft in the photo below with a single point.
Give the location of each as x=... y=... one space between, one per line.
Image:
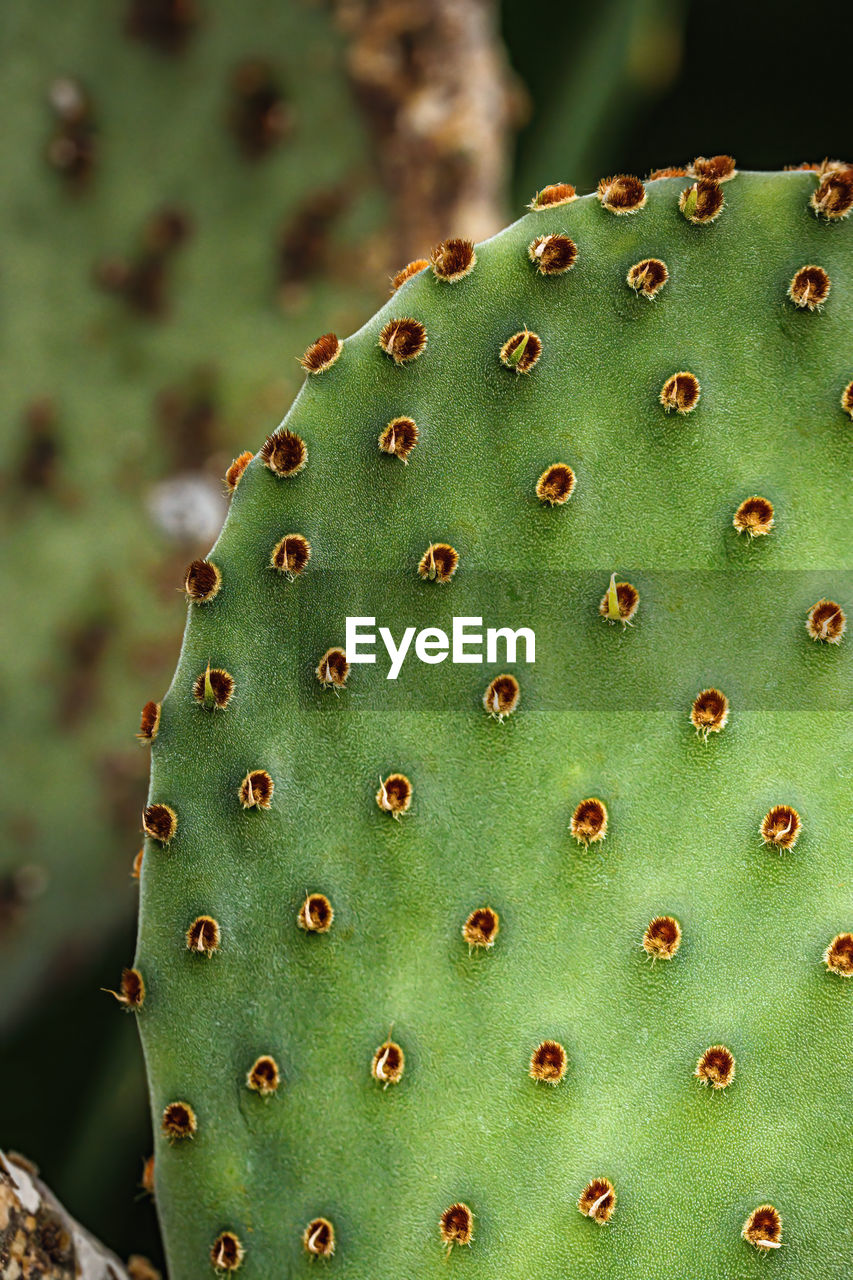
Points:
x=453 y=259
x=263 y=1076
x=149 y=725
x=598 y=1200
x=552 y=255
x=754 y=517
x=389 y=1063
x=322 y=353
x=809 y=288
x=438 y=563
x=556 y=193
x=703 y=202
x=548 y=1062
x=411 y=269
x=481 y=928
x=160 y=822
x=710 y=712
x=589 y=821
x=284 y=453
x=556 y=485
x=399 y=438
x=838 y=956
x=522 y=351
x=256 y=790
x=680 y=392
x=403 y=339
x=456 y=1226
x=826 y=621
x=227 y=1252
x=318 y=1238
x=716 y=1067
x=502 y=697
x=622 y=194
x=781 y=826
x=395 y=794
x=662 y=938
x=235 y=471
x=763 y=1228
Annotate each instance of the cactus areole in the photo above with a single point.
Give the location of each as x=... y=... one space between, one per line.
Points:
x=530 y=960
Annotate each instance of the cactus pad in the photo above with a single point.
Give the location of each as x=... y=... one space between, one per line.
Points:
x=493 y=924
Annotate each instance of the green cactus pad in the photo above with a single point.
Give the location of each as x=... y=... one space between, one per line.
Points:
x=604 y=713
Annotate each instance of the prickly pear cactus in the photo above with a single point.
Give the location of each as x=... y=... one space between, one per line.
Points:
x=542 y=965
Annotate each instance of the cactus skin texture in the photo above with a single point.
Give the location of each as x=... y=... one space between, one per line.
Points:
x=604 y=712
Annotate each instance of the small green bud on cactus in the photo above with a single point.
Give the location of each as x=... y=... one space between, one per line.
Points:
x=703 y=202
